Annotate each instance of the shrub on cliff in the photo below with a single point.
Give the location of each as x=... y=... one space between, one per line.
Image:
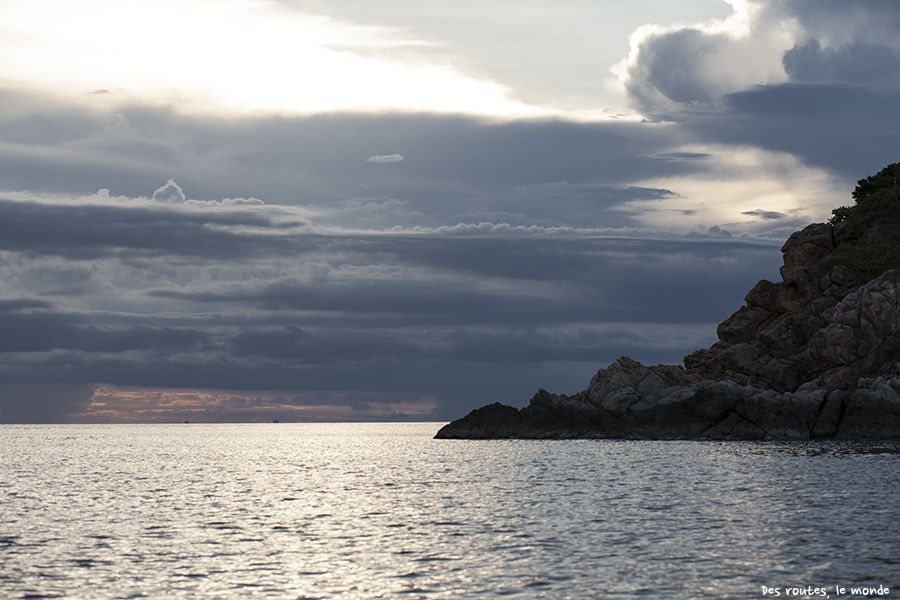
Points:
x=868 y=233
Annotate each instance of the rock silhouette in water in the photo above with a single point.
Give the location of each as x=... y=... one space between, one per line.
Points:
x=816 y=355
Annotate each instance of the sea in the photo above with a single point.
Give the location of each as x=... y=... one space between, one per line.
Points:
x=382 y=510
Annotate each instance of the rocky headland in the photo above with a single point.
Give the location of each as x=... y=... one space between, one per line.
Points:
x=816 y=355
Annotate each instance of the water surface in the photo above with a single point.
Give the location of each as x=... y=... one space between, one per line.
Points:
x=384 y=511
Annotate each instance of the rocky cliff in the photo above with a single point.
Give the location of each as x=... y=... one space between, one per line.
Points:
x=816 y=355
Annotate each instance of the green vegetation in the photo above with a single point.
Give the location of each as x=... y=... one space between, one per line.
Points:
x=869 y=232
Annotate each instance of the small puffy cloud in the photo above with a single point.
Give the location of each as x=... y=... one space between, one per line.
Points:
x=170 y=193
x=385 y=158
x=243 y=202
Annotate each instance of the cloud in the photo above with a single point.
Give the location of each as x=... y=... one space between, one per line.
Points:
x=202 y=296
x=466 y=170
x=763 y=43
x=876 y=64
x=770 y=215
x=717 y=231
x=385 y=158
x=171 y=192
x=97 y=230
x=844 y=42
x=680 y=67
x=802 y=78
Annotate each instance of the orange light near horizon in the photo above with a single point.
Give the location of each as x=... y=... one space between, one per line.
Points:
x=128 y=404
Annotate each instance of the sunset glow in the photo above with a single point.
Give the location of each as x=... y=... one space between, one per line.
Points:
x=125 y=404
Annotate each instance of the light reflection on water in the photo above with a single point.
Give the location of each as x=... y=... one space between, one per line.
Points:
x=382 y=510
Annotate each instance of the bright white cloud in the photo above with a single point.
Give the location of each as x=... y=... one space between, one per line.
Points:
x=169 y=193
x=763 y=42
x=228 y=55
x=689 y=64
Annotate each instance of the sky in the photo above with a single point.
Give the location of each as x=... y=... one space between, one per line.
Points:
x=304 y=210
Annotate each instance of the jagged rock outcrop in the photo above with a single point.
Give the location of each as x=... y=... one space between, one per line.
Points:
x=816 y=355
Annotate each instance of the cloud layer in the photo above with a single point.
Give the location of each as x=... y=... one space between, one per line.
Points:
x=246 y=296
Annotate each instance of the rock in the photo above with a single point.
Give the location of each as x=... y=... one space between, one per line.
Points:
x=829 y=416
x=488 y=422
x=763 y=295
x=739 y=326
x=816 y=355
x=873 y=411
x=543 y=398
x=838 y=281
x=808 y=247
